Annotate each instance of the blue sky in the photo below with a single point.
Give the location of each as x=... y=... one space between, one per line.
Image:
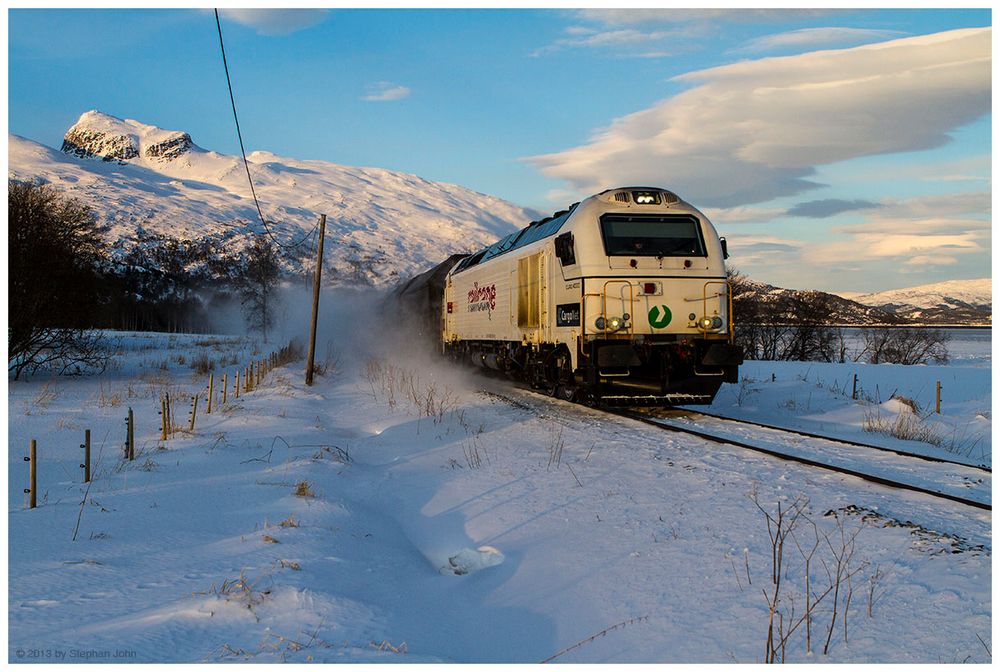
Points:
x=542 y=107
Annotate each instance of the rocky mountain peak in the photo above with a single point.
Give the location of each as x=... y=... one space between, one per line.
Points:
x=102 y=136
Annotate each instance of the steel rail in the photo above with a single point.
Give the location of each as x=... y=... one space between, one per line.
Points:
x=849 y=442
x=802 y=460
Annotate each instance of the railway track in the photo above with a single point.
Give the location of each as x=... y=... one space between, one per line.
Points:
x=970 y=485
x=929 y=458
x=941 y=478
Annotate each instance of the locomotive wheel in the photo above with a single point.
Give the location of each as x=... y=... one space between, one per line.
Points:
x=558 y=376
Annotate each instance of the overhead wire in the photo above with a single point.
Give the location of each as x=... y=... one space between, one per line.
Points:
x=246 y=164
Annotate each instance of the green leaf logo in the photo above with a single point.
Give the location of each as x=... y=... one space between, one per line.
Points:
x=659 y=316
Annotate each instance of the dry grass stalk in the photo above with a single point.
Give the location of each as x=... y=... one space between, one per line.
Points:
x=385 y=645
x=239 y=590
x=906 y=425
x=104 y=399
x=587 y=640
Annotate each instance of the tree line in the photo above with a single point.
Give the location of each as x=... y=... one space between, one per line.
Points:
x=798 y=327
x=62 y=286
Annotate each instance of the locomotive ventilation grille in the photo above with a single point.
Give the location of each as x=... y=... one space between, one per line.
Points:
x=621 y=196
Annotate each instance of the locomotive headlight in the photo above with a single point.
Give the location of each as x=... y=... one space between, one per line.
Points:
x=713 y=323
x=611 y=323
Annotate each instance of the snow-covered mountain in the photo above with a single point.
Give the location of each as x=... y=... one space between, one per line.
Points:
x=952 y=301
x=948 y=294
x=959 y=302
x=153 y=188
x=786 y=302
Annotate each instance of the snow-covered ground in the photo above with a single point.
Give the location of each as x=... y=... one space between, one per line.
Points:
x=401 y=512
x=817 y=397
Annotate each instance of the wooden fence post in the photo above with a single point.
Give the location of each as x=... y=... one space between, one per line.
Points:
x=236 y=388
x=854 y=392
x=86 y=456
x=937 y=398
x=211 y=391
x=225 y=382
x=194 y=412
x=168 y=426
x=130 y=436
x=32 y=461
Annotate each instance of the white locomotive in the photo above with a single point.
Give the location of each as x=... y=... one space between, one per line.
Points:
x=621 y=299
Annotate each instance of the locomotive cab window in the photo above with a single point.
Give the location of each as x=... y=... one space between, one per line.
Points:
x=652 y=236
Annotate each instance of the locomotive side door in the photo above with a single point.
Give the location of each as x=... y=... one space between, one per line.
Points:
x=529 y=297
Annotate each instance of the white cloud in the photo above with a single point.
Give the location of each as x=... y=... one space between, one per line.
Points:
x=275 y=21
x=754 y=130
x=586 y=38
x=923 y=211
x=742 y=215
x=625 y=17
x=926 y=260
x=929 y=230
x=385 y=91
x=757 y=249
x=817 y=37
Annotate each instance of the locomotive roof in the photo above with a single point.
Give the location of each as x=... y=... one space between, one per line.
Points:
x=542 y=228
x=548 y=226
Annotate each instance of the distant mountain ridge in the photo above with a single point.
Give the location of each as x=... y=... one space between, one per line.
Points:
x=936 y=307
x=154 y=189
x=964 y=301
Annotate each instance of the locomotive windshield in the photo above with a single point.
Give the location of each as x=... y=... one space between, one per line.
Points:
x=652 y=235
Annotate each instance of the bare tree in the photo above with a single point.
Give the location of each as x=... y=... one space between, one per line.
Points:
x=261 y=272
x=53 y=286
x=762 y=323
x=887 y=345
x=783 y=325
x=810 y=338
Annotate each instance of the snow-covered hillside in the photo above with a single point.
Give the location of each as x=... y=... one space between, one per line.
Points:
x=951 y=302
x=148 y=184
x=951 y=293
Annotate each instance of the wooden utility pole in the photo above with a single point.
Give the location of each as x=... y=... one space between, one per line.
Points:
x=315 y=313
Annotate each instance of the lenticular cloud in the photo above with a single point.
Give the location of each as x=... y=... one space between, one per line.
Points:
x=755 y=130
